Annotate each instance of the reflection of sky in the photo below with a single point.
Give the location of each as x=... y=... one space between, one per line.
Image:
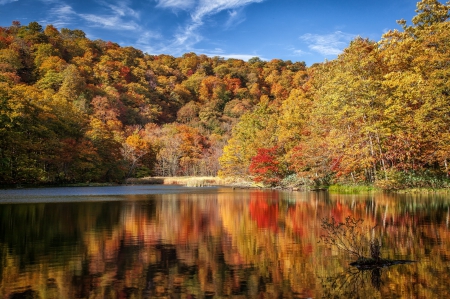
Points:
x=72 y=194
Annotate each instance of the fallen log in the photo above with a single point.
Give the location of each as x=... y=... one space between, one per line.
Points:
x=370 y=263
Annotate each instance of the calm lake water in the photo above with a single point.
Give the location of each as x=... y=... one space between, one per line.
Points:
x=178 y=242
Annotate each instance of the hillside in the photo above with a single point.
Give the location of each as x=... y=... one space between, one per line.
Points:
x=77 y=110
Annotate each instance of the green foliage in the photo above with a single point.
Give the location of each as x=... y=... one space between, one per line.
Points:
x=350 y=189
x=428 y=179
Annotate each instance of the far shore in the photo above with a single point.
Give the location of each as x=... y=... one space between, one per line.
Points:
x=192 y=181
x=205 y=181
x=241 y=183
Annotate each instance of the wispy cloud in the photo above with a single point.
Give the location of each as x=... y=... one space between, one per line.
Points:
x=117 y=16
x=120 y=16
x=210 y=7
x=189 y=35
x=328 y=44
x=122 y=10
x=109 y=21
x=147 y=36
x=3 y=2
x=236 y=56
x=61 y=15
x=298 y=52
x=235 y=17
x=176 y=4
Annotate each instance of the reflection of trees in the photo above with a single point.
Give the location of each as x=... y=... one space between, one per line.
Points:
x=353 y=283
x=264 y=210
x=278 y=240
x=245 y=243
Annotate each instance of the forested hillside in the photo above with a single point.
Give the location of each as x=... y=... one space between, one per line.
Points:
x=379 y=113
x=78 y=110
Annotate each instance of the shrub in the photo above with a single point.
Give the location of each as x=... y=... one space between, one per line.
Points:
x=351 y=237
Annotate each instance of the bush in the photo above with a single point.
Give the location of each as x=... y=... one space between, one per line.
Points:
x=293 y=180
x=397 y=180
x=351 y=237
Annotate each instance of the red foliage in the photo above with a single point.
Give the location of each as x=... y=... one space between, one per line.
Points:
x=263 y=211
x=5 y=41
x=125 y=73
x=336 y=163
x=265 y=167
x=233 y=84
x=297 y=159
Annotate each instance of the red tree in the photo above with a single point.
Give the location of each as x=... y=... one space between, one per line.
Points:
x=265 y=167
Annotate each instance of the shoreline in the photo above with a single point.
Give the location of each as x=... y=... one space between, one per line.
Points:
x=206 y=181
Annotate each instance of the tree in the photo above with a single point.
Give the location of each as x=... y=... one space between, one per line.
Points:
x=109 y=165
x=265 y=166
x=349 y=108
x=254 y=130
x=137 y=151
x=416 y=87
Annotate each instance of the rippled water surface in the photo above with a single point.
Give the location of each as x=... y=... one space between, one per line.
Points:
x=177 y=242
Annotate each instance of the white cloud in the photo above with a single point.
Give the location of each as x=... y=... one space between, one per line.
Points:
x=3 y=2
x=299 y=52
x=187 y=36
x=328 y=44
x=109 y=22
x=235 y=17
x=123 y=11
x=117 y=18
x=61 y=15
x=210 y=7
x=146 y=36
x=63 y=10
x=176 y=4
x=236 y=56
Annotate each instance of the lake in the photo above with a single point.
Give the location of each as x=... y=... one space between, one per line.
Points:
x=177 y=242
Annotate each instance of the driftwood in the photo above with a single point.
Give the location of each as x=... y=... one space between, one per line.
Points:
x=369 y=263
x=350 y=237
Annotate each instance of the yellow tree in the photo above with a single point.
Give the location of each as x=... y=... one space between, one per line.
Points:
x=137 y=150
x=416 y=85
x=255 y=130
x=349 y=105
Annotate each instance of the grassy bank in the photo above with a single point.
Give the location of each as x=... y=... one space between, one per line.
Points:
x=184 y=181
x=349 y=189
x=300 y=186
x=338 y=188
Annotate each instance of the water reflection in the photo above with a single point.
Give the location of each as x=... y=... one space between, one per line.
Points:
x=219 y=242
x=352 y=283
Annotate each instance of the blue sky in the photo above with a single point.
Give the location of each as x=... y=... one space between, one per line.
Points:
x=296 y=30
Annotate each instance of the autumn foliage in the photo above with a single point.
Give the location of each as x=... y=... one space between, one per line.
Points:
x=265 y=168
x=78 y=110
x=377 y=114
x=73 y=109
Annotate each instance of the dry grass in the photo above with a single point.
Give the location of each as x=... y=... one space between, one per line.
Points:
x=184 y=181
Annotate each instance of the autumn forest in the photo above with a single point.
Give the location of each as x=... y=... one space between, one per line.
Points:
x=79 y=110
